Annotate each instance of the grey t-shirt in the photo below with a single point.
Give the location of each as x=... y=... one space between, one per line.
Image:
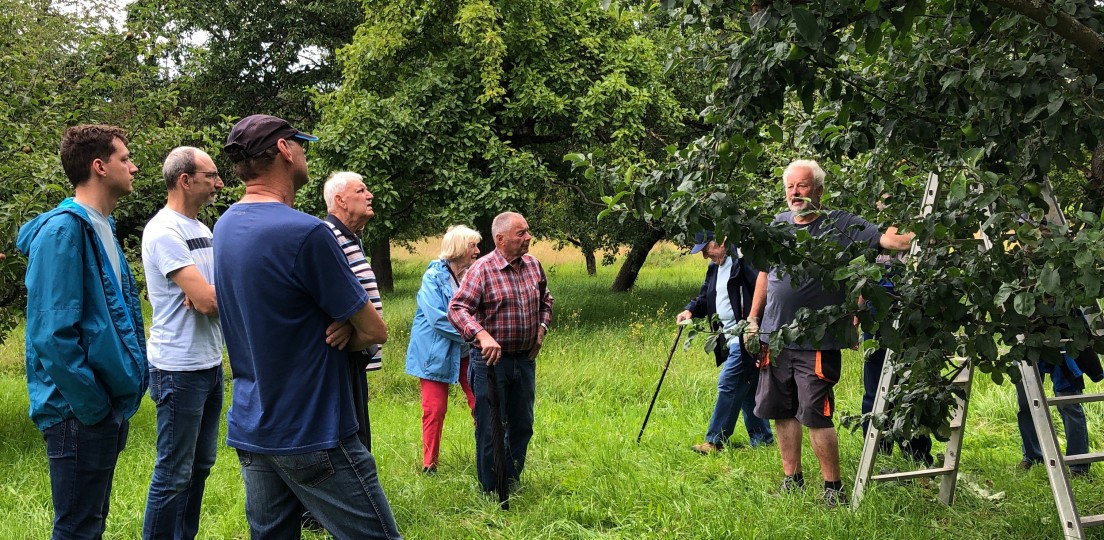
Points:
x=785 y=297
x=107 y=239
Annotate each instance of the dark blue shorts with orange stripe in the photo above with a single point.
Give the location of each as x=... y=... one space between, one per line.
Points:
x=798 y=384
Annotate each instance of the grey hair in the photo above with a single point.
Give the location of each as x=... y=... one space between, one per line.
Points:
x=180 y=160
x=502 y=222
x=812 y=166
x=336 y=183
x=454 y=244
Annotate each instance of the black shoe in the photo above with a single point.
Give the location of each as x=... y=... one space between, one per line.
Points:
x=833 y=498
x=792 y=484
x=1027 y=464
x=429 y=471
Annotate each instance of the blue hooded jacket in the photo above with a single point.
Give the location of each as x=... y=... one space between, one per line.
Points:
x=434 y=351
x=86 y=346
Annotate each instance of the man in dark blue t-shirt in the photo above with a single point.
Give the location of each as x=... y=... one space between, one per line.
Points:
x=289 y=306
x=795 y=384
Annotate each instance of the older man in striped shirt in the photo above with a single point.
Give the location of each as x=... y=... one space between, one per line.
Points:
x=503 y=306
x=349 y=207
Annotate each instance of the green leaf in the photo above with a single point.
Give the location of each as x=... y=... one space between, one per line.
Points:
x=806 y=24
x=1024 y=303
x=775 y=132
x=873 y=40
x=1003 y=294
x=1050 y=280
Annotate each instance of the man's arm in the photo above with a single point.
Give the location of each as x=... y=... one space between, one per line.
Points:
x=199 y=294
x=696 y=307
x=461 y=312
x=758 y=301
x=369 y=326
x=894 y=241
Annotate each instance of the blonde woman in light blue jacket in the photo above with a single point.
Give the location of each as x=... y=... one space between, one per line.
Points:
x=437 y=354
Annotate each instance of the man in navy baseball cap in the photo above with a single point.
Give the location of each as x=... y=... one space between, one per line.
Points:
x=254 y=134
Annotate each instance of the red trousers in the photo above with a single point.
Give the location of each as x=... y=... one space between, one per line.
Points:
x=434 y=405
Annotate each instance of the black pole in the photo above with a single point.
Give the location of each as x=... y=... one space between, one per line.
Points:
x=498 y=439
x=658 y=386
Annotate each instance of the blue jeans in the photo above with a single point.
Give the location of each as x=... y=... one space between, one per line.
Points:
x=517 y=384
x=82 y=465
x=735 y=392
x=1073 y=418
x=189 y=404
x=339 y=487
x=918 y=448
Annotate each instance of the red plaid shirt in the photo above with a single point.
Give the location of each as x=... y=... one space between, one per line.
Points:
x=509 y=303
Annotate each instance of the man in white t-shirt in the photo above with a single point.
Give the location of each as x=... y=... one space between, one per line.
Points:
x=185 y=345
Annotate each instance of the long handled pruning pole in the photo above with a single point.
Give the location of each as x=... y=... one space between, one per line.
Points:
x=498 y=440
x=658 y=386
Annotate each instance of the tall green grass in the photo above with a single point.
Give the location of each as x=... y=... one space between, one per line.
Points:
x=586 y=477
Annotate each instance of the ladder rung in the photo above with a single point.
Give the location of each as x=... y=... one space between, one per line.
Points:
x=1078 y=459
x=1068 y=400
x=1092 y=521
x=963 y=377
x=923 y=473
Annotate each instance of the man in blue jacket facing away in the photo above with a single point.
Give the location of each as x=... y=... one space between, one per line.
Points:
x=86 y=348
x=739 y=377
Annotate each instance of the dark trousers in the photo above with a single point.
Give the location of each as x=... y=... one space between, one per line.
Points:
x=82 y=466
x=918 y=448
x=517 y=381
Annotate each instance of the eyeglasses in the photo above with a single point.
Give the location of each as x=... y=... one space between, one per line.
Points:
x=208 y=174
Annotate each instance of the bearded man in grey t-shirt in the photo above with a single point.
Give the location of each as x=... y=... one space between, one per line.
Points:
x=795 y=384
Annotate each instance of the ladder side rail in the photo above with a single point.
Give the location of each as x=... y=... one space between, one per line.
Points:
x=1052 y=454
x=873 y=439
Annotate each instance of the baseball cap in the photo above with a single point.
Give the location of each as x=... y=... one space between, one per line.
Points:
x=701 y=240
x=254 y=134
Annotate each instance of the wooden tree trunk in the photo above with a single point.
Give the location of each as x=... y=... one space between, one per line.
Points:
x=483 y=225
x=381 y=265
x=630 y=269
x=591 y=262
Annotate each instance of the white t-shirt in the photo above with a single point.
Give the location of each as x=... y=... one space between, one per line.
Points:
x=180 y=339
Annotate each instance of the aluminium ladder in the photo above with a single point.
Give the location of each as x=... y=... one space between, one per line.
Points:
x=948 y=470
x=1072 y=522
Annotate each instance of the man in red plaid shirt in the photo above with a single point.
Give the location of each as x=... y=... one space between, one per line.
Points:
x=503 y=307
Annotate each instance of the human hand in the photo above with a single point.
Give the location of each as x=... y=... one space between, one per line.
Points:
x=540 y=342
x=685 y=315
x=489 y=348
x=339 y=333
x=751 y=332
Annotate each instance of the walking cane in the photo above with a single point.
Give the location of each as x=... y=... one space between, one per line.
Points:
x=498 y=439
x=661 y=376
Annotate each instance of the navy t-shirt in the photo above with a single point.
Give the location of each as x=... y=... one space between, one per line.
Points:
x=281 y=280
x=784 y=297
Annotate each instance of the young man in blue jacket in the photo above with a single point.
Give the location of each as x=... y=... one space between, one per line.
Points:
x=738 y=379
x=86 y=349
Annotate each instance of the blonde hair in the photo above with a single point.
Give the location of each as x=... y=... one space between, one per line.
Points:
x=455 y=242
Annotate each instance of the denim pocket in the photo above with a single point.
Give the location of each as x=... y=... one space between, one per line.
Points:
x=245 y=458
x=160 y=386
x=55 y=437
x=308 y=469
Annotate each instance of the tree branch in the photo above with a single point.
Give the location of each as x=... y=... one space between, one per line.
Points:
x=1077 y=33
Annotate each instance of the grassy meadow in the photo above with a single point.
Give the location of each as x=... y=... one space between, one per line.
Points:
x=586 y=477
